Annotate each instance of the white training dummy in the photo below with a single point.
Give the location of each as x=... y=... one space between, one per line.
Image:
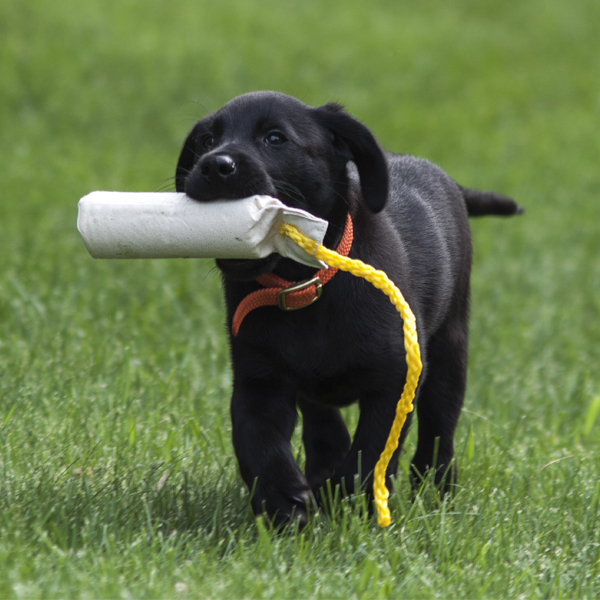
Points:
x=171 y=225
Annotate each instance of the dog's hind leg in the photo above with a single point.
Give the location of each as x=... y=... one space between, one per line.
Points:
x=326 y=441
x=440 y=401
x=263 y=420
x=376 y=417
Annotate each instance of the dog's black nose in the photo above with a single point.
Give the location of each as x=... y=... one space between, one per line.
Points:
x=217 y=166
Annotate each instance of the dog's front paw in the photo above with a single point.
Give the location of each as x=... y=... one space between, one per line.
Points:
x=282 y=507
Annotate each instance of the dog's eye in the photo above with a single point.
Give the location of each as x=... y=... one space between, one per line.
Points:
x=275 y=138
x=208 y=141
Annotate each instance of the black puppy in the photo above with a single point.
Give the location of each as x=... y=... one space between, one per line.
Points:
x=410 y=220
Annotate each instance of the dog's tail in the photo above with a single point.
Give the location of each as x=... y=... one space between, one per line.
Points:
x=480 y=204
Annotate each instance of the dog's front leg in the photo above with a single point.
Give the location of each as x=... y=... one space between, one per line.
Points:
x=263 y=416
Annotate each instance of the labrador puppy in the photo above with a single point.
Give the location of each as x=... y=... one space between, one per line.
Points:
x=410 y=220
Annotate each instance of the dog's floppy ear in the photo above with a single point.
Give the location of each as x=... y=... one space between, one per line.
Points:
x=186 y=162
x=357 y=143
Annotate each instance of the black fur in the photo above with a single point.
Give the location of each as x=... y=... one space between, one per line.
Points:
x=410 y=219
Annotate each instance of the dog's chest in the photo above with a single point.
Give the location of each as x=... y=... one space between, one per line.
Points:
x=329 y=352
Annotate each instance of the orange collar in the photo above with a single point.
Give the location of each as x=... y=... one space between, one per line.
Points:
x=287 y=294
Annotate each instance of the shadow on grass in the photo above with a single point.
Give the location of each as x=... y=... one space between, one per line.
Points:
x=166 y=506
x=84 y=506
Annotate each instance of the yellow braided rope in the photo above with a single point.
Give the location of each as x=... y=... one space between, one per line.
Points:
x=413 y=355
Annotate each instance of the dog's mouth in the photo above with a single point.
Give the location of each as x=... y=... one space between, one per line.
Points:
x=233 y=268
x=245 y=269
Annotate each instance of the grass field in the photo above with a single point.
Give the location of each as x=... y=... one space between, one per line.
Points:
x=117 y=476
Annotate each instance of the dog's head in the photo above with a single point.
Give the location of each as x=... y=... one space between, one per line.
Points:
x=269 y=143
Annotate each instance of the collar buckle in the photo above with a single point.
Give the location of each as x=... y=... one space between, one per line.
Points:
x=298 y=287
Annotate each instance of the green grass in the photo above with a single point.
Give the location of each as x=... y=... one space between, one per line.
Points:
x=117 y=476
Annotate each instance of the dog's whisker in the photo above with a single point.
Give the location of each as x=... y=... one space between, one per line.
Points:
x=166 y=184
x=338 y=195
x=288 y=188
